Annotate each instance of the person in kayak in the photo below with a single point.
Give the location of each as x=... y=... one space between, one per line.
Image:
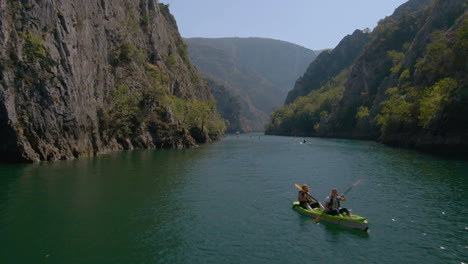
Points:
x=332 y=204
x=305 y=199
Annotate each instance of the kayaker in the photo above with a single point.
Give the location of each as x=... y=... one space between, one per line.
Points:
x=332 y=204
x=305 y=199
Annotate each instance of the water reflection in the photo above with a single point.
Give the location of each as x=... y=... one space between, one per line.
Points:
x=226 y=201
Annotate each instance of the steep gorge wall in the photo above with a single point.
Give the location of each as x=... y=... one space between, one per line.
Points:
x=407 y=87
x=415 y=72
x=83 y=77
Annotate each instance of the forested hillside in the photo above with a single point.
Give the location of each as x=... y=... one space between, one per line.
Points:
x=408 y=86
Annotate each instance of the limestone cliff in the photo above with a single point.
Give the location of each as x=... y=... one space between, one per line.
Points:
x=84 y=77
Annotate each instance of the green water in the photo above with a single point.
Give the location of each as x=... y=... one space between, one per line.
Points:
x=229 y=202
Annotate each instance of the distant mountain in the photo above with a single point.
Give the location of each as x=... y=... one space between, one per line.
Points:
x=235 y=107
x=258 y=71
x=278 y=61
x=407 y=87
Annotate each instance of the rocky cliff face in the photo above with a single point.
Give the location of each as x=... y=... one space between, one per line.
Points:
x=83 y=77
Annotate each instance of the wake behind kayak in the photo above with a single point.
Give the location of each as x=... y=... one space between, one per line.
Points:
x=356 y=222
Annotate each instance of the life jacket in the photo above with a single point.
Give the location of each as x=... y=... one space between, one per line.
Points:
x=334 y=203
x=307 y=197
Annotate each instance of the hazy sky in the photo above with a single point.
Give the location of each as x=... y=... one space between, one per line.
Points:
x=315 y=24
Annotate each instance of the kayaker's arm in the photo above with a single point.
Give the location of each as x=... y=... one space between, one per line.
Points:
x=313 y=200
x=310 y=198
x=343 y=198
x=321 y=205
x=326 y=202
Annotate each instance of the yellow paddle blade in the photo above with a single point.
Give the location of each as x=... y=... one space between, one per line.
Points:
x=298 y=186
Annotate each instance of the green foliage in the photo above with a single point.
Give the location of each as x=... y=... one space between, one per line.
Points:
x=170 y=60
x=432 y=90
x=397 y=60
x=434 y=100
x=436 y=53
x=462 y=36
x=409 y=108
x=156 y=92
x=317 y=128
x=197 y=114
x=156 y=75
x=132 y=25
x=303 y=115
x=196 y=78
x=128 y=53
x=405 y=76
x=362 y=112
x=122 y=117
x=183 y=52
x=395 y=111
x=34 y=49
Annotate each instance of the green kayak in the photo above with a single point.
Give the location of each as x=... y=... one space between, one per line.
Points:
x=356 y=222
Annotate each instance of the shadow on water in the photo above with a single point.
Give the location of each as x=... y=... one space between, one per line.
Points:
x=337 y=230
x=9 y=174
x=80 y=204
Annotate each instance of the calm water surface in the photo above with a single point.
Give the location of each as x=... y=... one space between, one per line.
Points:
x=230 y=202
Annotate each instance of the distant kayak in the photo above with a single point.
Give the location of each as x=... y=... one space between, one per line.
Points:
x=356 y=222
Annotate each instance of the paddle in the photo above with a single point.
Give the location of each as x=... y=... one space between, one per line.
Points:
x=316 y=220
x=300 y=188
x=354 y=185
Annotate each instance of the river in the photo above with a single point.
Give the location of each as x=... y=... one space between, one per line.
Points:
x=230 y=202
